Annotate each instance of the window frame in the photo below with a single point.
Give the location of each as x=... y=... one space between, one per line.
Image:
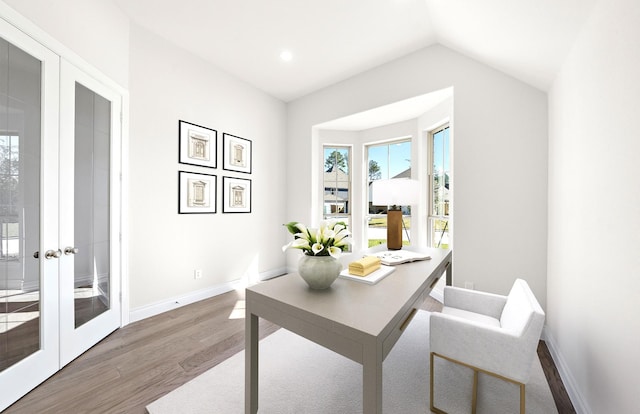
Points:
x=344 y=216
x=367 y=193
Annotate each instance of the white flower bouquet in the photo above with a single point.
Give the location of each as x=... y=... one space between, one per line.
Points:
x=330 y=239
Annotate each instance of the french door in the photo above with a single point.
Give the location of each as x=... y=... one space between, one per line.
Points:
x=59 y=230
x=89 y=227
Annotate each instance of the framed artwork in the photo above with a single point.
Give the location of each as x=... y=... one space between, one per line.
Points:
x=236 y=195
x=236 y=153
x=196 y=193
x=198 y=145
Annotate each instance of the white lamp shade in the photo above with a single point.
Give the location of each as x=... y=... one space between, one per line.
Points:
x=395 y=192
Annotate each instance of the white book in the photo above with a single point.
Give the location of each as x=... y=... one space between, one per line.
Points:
x=396 y=257
x=372 y=278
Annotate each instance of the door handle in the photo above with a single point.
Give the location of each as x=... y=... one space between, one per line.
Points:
x=53 y=254
x=70 y=250
x=36 y=255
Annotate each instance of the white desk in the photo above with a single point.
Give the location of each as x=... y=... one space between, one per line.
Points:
x=359 y=321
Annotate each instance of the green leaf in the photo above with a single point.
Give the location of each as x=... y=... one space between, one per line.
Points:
x=291 y=226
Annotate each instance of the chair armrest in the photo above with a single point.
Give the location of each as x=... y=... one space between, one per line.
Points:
x=484 y=303
x=486 y=347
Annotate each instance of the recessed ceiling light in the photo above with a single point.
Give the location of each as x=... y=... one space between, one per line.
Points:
x=286 y=55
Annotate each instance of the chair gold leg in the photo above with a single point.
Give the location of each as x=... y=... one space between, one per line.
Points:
x=474 y=395
x=433 y=408
x=431 y=381
x=476 y=371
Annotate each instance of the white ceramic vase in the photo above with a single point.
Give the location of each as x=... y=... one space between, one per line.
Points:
x=319 y=271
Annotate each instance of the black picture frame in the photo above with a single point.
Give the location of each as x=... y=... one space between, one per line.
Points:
x=197 y=193
x=197 y=145
x=237 y=153
x=236 y=195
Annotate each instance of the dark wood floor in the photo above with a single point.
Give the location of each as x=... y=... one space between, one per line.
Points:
x=145 y=360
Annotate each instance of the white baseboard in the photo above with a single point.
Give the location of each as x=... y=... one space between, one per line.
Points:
x=273 y=273
x=568 y=380
x=27 y=286
x=157 y=308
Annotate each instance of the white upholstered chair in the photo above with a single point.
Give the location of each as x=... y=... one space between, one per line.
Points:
x=494 y=334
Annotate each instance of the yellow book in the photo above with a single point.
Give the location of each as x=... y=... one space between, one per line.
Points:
x=364 y=266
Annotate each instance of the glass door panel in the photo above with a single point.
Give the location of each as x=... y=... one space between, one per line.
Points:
x=28 y=213
x=91 y=205
x=19 y=204
x=89 y=230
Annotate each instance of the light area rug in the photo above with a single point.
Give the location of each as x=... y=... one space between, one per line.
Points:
x=301 y=377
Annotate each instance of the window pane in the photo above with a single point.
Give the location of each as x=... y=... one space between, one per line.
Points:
x=439 y=233
x=337 y=184
x=387 y=161
x=378 y=157
x=441 y=173
x=378 y=169
x=445 y=150
x=400 y=160
x=440 y=189
x=337 y=180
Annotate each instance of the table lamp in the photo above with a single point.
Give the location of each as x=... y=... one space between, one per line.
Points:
x=395 y=192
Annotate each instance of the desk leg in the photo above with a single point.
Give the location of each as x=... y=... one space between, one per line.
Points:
x=251 y=363
x=372 y=380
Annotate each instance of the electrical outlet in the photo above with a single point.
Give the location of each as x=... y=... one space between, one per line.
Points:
x=468 y=285
x=197 y=274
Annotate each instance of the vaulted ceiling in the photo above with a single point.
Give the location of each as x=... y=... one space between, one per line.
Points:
x=331 y=40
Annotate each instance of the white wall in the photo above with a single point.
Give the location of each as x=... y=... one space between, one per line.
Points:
x=594 y=212
x=168 y=84
x=500 y=152
x=96 y=30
